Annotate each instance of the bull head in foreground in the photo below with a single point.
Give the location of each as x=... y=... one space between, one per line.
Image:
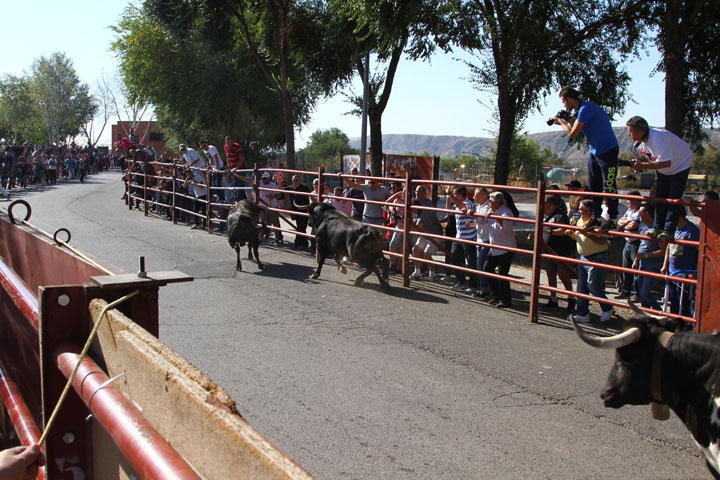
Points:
x=657 y=364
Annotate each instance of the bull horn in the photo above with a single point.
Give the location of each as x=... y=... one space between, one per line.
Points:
x=631 y=335
x=637 y=311
x=302 y=208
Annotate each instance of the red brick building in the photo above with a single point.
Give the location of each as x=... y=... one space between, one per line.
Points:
x=148 y=134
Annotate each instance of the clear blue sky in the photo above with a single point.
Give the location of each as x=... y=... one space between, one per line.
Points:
x=432 y=98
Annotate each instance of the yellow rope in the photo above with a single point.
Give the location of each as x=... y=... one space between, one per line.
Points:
x=83 y=353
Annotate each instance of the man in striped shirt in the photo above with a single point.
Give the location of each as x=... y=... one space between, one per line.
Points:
x=466 y=230
x=235 y=159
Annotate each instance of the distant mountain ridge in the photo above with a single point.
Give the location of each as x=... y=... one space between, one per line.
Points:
x=451 y=146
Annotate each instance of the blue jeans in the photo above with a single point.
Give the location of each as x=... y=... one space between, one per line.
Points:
x=591 y=280
x=645 y=286
x=602 y=177
x=669 y=186
x=482 y=253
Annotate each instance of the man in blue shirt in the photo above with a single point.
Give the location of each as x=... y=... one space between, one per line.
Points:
x=594 y=123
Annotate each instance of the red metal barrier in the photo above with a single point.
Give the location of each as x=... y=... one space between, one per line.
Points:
x=144 y=448
x=709 y=245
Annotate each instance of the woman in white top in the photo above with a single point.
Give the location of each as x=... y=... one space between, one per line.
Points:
x=502 y=233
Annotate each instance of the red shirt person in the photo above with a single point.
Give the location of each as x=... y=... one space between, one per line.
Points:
x=235 y=159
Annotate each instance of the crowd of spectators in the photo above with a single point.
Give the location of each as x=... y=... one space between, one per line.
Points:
x=479 y=216
x=24 y=165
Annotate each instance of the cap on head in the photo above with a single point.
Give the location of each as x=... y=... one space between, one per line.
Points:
x=182 y=147
x=265 y=175
x=574 y=184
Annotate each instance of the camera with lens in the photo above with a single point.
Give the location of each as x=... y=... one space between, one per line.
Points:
x=562 y=114
x=626 y=163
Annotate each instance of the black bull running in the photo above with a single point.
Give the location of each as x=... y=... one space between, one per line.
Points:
x=342 y=236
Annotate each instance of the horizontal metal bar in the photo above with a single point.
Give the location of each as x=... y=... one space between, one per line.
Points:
x=20 y=294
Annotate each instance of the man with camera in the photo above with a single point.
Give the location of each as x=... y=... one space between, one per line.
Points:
x=671 y=157
x=594 y=123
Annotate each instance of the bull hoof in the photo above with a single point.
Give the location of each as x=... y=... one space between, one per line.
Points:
x=314 y=276
x=238 y=268
x=386 y=288
x=260 y=266
x=342 y=269
x=358 y=283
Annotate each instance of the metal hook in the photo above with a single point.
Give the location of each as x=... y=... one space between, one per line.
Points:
x=105 y=384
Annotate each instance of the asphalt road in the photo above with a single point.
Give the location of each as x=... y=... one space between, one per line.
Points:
x=355 y=383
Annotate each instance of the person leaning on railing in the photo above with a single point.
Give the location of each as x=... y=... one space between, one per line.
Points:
x=649 y=259
x=671 y=158
x=592 y=248
x=559 y=244
x=502 y=233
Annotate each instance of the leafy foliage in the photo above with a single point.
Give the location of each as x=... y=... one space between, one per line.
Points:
x=17 y=106
x=326 y=147
x=526 y=50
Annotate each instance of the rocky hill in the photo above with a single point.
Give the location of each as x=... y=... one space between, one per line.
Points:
x=450 y=146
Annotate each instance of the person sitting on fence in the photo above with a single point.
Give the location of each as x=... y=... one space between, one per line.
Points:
x=591 y=247
x=466 y=229
x=372 y=190
x=649 y=259
x=502 y=233
x=682 y=260
x=629 y=222
x=557 y=243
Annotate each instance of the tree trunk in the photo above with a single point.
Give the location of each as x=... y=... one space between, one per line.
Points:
x=673 y=47
x=289 y=120
x=504 y=141
x=375 y=119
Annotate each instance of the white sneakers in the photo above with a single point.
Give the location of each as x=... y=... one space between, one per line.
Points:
x=579 y=318
x=586 y=318
x=607 y=315
x=416 y=275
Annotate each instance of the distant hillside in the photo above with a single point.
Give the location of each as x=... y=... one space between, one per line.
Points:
x=449 y=146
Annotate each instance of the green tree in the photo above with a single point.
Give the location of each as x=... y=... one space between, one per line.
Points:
x=64 y=103
x=690 y=53
x=389 y=29
x=526 y=50
x=326 y=147
x=17 y=106
x=200 y=82
x=292 y=43
x=527 y=158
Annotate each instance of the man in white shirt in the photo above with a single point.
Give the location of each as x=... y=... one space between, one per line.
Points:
x=216 y=165
x=199 y=187
x=671 y=157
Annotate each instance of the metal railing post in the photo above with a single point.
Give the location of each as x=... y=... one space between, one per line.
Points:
x=537 y=251
x=706 y=301
x=407 y=222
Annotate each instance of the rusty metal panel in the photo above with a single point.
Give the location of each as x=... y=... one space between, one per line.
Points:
x=63 y=318
x=194 y=414
x=707 y=303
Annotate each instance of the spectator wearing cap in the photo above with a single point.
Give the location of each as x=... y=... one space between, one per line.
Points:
x=235 y=159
